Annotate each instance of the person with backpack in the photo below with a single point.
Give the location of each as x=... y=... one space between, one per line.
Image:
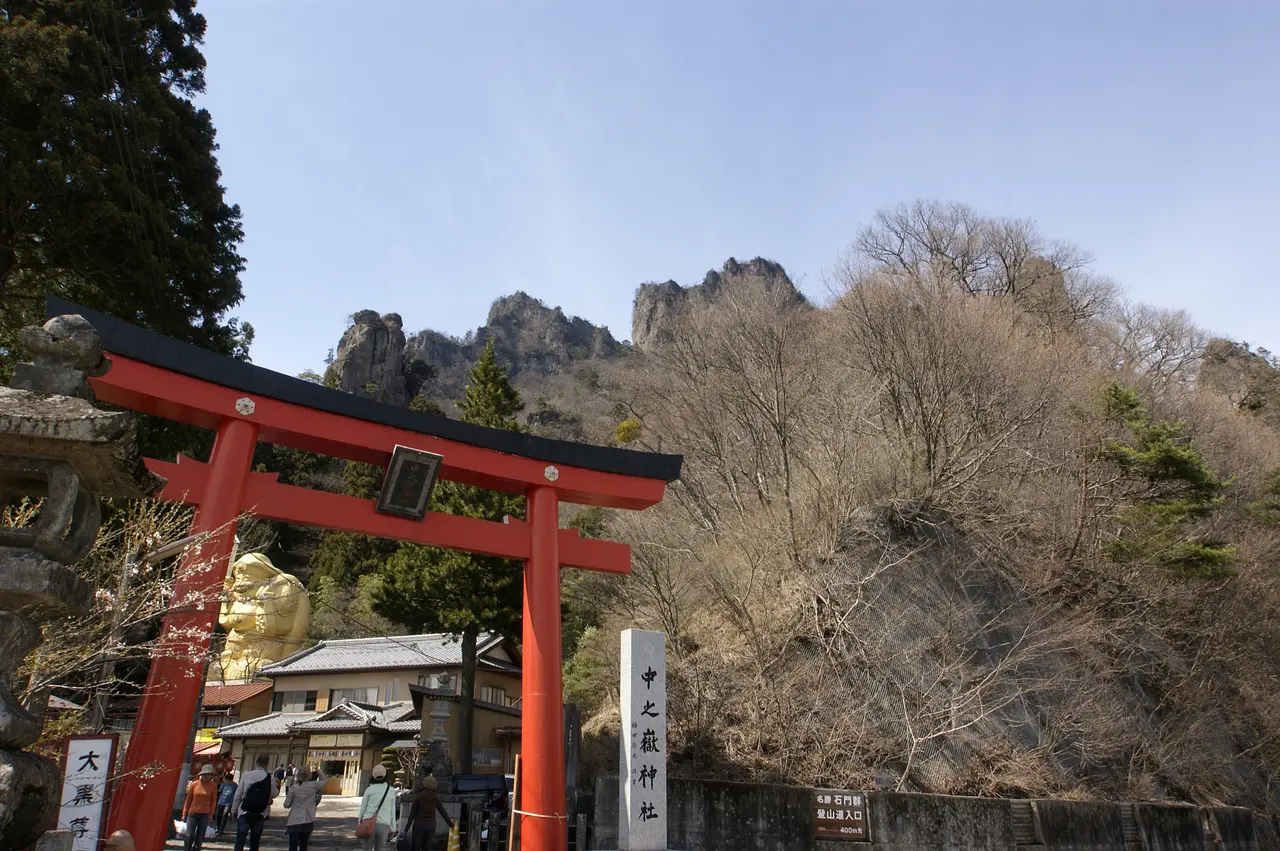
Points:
x=226 y=794
x=253 y=802
x=301 y=800
x=377 y=812
x=197 y=808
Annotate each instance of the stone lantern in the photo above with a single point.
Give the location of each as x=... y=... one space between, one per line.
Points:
x=57 y=447
x=436 y=759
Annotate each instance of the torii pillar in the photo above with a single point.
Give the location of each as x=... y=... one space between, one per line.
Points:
x=544 y=817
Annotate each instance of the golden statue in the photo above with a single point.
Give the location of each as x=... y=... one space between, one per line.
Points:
x=265 y=614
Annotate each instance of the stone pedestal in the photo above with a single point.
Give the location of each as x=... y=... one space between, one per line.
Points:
x=55 y=447
x=55 y=840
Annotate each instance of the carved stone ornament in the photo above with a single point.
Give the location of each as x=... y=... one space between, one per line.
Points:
x=55 y=446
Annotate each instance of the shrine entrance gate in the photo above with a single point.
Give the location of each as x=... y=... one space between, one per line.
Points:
x=244 y=404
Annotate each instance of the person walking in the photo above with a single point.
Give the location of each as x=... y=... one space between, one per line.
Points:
x=379 y=804
x=226 y=794
x=252 y=803
x=301 y=801
x=198 y=807
x=399 y=838
x=422 y=815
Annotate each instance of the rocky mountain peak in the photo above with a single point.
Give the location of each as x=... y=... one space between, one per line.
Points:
x=541 y=337
x=527 y=335
x=376 y=359
x=517 y=308
x=369 y=360
x=373 y=319
x=657 y=305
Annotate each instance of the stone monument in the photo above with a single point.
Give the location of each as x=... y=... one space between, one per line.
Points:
x=642 y=771
x=57 y=447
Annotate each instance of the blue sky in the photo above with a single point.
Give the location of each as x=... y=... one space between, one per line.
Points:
x=426 y=158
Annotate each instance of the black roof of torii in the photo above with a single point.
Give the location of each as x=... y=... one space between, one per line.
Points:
x=188 y=359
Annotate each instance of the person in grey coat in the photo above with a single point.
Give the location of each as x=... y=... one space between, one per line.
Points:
x=301 y=799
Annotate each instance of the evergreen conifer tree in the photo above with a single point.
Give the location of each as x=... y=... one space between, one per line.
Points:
x=109 y=188
x=1172 y=488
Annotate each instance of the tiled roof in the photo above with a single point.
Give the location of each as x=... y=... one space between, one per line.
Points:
x=234 y=694
x=396 y=718
x=361 y=716
x=373 y=654
x=275 y=724
x=499 y=665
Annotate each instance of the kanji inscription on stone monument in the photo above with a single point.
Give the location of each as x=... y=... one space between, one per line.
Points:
x=642 y=815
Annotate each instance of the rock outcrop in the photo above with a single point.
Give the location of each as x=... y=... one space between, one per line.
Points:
x=531 y=336
x=527 y=335
x=1250 y=379
x=370 y=359
x=538 y=344
x=656 y=307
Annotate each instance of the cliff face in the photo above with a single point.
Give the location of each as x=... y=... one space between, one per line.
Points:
x=527 y=335
x=369 y=360
x=531 y=336
x=657 y=306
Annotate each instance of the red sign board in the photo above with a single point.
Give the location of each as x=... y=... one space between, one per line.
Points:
x=840 y=814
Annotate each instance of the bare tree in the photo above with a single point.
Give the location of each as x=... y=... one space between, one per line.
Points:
x=965 y=389
x=1161 y=348
x=738 y=381
x=83 y=657
x=887 y=556
x=953 y=246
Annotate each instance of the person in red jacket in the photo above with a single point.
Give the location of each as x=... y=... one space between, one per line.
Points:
x=197 y=809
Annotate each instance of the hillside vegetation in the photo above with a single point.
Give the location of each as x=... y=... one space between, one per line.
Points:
x=976 y=525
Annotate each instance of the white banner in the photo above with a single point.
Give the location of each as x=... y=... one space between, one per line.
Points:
x=84 y=789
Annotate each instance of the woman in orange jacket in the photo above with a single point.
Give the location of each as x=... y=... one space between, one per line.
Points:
x=197 y=809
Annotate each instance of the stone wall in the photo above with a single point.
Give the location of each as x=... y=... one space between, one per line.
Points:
x=1172 y=828
x=933 y=823
x=709 y=816
x=1079 y=826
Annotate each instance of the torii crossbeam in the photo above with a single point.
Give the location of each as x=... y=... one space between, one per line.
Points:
x=244 y=404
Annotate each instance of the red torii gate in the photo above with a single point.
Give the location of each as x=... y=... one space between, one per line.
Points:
x=244 y=404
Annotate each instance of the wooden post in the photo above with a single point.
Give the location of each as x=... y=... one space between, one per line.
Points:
x=515 y=805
